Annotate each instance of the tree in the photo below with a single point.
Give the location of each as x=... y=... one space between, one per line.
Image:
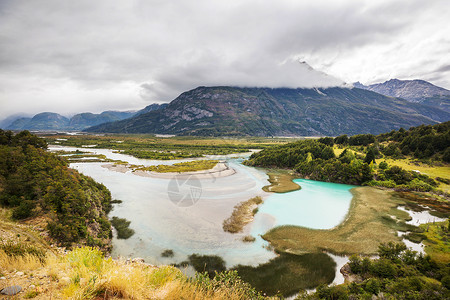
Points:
x=370 y=156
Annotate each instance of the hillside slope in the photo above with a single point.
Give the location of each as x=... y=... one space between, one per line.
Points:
x=215 y=111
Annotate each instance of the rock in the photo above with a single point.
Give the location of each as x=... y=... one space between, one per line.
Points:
x=11 y=290
x=32 y=286
x=2 y=278
x=20 y=273
x=138 y=260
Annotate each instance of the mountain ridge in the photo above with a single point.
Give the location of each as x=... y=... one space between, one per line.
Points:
x=416 y=90
x=222 y=110
x=80 y=121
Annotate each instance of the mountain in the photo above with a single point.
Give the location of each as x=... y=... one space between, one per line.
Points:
x=42 y=121
x=54 y=121
x=412 y=90
x=84 y=120
x=215 y=111
x=150 y=108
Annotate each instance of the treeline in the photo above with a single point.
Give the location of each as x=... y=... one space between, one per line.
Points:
x=34 y=182
x=422 y=142
x=315 y=159
x=398 y=273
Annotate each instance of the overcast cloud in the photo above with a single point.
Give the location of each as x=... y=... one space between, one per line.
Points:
x=77 y=56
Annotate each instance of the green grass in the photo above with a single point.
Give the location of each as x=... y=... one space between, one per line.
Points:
x=287 y=274
x=122 y=227
x=437 y=243
x=151 y=147
x=190 y=166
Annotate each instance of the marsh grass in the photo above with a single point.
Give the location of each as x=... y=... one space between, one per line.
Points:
x=437 y=243
x=369 y=222
x=190 y=166
x=122 y=226
x=287 y=274
x=242 y=215
x=281 y=182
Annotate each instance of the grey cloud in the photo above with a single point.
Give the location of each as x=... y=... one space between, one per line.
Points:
x=126 y=54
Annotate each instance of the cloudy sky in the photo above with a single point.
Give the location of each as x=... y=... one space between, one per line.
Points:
x=76 y=56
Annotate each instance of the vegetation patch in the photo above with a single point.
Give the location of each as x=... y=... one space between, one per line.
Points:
x=242 y=215
x=437 y=243
x=281 y=182
x=122 y=226
x=167 y=253
x=190 y=166
x=248 y=239
x=211 y=264
x=398 y=273
x=287 y=274
x=14 y=249
x=37 y=183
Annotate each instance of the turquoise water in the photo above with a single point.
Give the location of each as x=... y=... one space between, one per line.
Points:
x=318 y=205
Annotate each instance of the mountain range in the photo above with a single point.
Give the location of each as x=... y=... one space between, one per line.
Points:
x=412 y=90
x=54 y=121
x=216 y=111
x=225 y=110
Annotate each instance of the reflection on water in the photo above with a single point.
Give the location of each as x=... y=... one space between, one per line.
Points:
x=160 y=224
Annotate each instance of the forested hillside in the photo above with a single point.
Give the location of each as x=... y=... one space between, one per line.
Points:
x=356 y=163
x=36 y=183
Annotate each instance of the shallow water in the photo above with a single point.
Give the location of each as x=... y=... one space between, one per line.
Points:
x=318 y=205
x=159 y=224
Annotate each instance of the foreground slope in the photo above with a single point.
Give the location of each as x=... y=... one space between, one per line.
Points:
x=214 y=111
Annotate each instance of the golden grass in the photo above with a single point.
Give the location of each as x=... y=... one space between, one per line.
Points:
x=26 y=262
x=190 y=166
x=368 y=224
x=242 y=215
x=281 y=182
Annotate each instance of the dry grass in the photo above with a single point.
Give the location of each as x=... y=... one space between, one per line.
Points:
x=242 y=215
x=369 y=223
x=281 y=182
x=85 y=274
x=26 y=262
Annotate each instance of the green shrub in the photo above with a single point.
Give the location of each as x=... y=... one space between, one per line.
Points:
x=122 y=227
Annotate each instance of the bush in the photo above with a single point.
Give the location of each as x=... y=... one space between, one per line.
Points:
x=24 y=210
x=383 y=165
x=122 y=227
